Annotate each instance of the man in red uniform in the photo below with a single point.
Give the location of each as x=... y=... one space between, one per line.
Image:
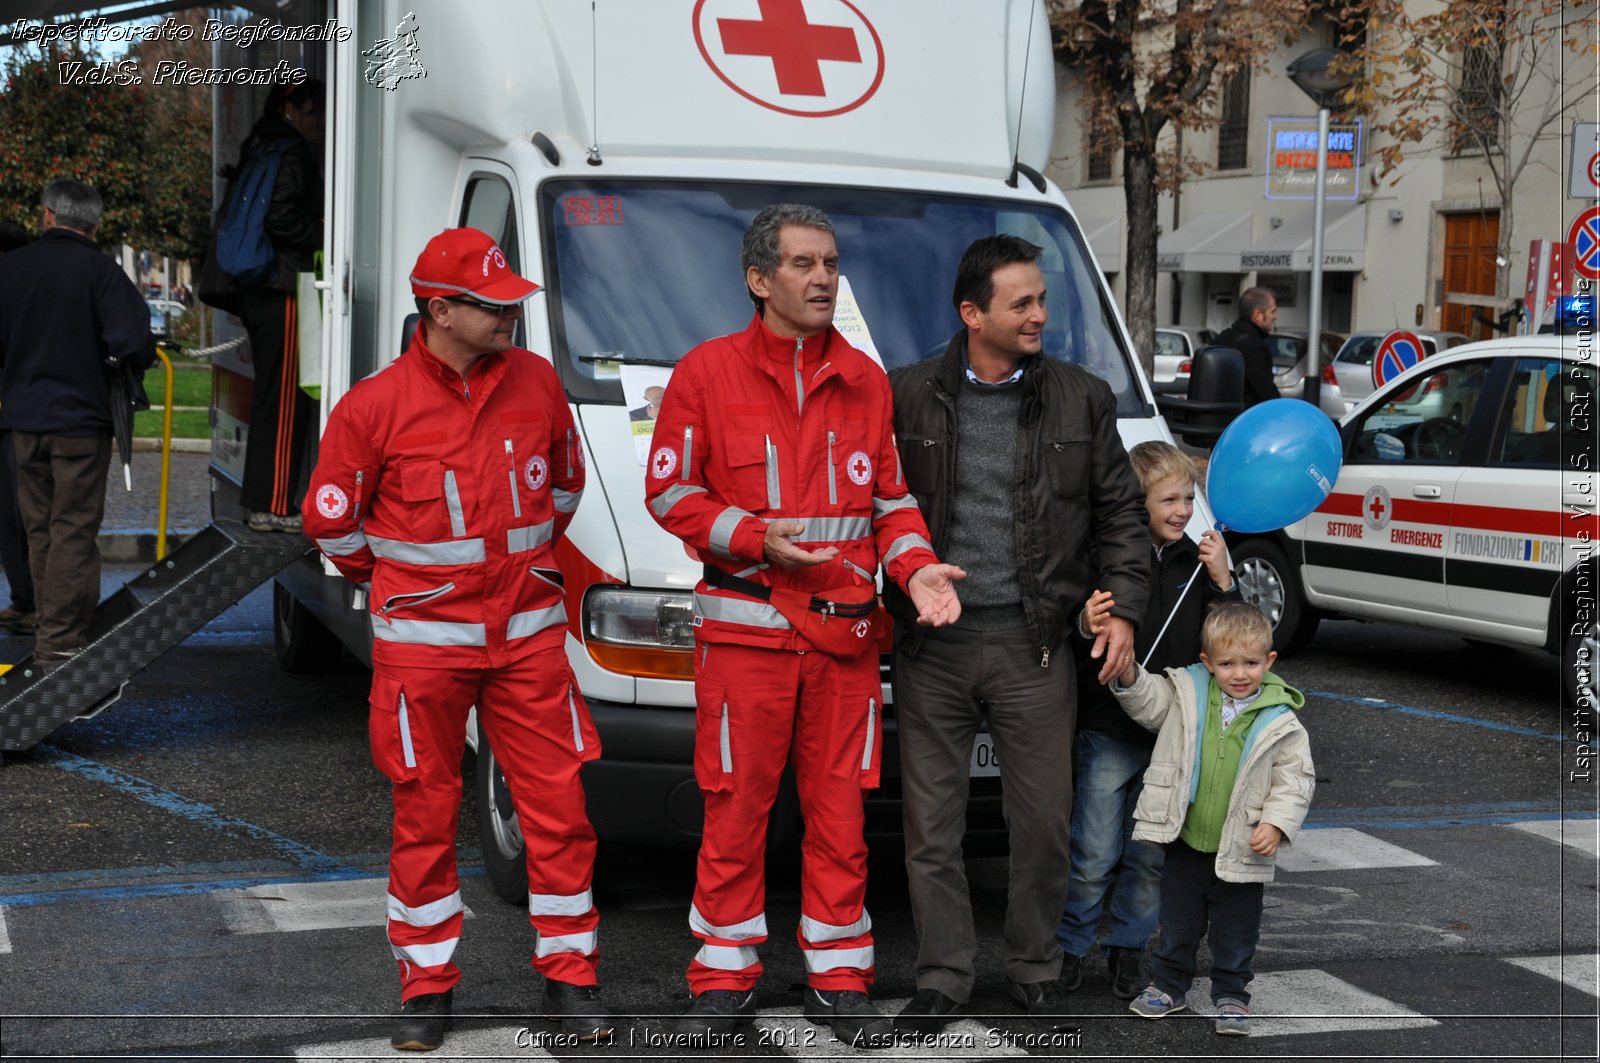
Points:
x=774 y=460
x=443 y=482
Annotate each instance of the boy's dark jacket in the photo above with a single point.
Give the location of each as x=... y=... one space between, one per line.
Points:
x=1098 y=711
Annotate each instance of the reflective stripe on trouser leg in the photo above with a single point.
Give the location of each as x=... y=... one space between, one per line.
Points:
x=759 y=689
x=424 y=910
x=837 y=714
x=527 y=710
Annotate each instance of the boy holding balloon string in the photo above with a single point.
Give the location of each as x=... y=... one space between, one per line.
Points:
x=1230 y=779
x=1111 y=751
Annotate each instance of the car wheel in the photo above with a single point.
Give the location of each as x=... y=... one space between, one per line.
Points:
x=1578 y=659
x=499 y=835
x=303 y=643
x=1267 y=582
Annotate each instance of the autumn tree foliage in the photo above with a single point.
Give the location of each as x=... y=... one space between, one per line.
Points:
x=1148 y=66
x=1484 y=78
x=146 y=148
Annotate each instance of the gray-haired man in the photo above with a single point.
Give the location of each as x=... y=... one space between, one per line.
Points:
x=66 y=309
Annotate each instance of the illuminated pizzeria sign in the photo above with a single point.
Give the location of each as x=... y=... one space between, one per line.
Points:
x=1292 y=159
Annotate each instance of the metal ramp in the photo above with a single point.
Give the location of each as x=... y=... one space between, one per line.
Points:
x=149 y=615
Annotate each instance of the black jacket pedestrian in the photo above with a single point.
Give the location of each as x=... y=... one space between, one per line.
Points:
x=1250 y=340
x=1179 y=647
x=65 y=308
x=1074 y=487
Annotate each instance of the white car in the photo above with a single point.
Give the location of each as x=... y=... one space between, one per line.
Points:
x=1466 y=503
x=163 y=314
x=1175 y=347
x=1351 y=368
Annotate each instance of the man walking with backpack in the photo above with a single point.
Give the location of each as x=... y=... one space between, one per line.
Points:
x=268 y=230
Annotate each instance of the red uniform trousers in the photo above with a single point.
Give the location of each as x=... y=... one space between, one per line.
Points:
x=755 y=708
x=541 y=732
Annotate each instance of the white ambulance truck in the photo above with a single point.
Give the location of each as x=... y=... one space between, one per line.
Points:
x=617 y=150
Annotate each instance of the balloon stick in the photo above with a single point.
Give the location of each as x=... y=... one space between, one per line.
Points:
x=1192 y=576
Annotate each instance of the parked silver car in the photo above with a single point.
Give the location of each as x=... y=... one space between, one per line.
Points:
x=1289 y=362
x=1351 y=368
x=1175 y=347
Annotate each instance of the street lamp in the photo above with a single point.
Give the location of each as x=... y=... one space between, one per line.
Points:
x=1318 y=74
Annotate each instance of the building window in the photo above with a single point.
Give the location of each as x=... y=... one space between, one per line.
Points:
x=1099 y=166
x=1233 y=135
x=1477 y=117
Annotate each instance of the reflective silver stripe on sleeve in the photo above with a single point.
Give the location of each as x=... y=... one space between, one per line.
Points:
x=345 y=545
x=832 y=529
x=451 y=552
x=521 y=540
x=428 y=955
x=740 y=611
x=833 y=479
x=560 y=903
x=428 y=632
x=430 y=914
x=662 y=504
x=570 y=444
x=565 y=501
x=688 y=450
x=549 y=944
x=452 y=500
x=774 y=486
x=882 y=506
x=817 y=932
x=754 y=927
x=726 y=957
x=722 y=530
x=521 y=625
x=904 y=543
x=820 y=961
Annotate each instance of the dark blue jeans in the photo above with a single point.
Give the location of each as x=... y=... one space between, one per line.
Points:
x=1191 y=897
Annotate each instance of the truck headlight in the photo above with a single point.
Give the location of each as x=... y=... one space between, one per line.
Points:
x=640 y=632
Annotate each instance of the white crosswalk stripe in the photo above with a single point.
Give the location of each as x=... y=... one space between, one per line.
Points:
x=1580 y=834
x=293 y=906
x=788 y=1029
x=1286 y=1003
x=1580 y=971
x=496 y=1042
x=1344 y=849
x=5 y=935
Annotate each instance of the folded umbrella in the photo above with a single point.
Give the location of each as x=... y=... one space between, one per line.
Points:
x=125 y=386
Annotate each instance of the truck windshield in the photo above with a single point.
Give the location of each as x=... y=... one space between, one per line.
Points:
x=642 y=271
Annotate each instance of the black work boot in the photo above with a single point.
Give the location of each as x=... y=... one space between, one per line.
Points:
x=422 y=1022
x=1127 y=971
x=851 y=1015
x=717 y=1012
x=926 y=1014
x=578 y=1009
x=1045 y=1001
x=1072 y=972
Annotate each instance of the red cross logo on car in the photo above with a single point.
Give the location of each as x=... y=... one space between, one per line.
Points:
x=811 y=58
x=1376 y=507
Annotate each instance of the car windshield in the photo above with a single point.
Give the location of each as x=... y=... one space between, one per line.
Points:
x=1286 y=350
x=656 y=271
x=1169 y=344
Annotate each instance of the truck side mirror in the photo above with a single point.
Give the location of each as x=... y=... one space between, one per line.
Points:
x=409 y=329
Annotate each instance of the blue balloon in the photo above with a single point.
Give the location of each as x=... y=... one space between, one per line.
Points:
x=1273 y=465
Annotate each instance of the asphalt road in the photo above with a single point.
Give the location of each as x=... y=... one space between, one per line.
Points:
x=198 y=872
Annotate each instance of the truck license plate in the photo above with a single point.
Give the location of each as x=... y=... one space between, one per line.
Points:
x=985 y=759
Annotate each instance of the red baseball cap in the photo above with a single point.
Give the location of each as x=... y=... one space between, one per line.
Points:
x=467 y=262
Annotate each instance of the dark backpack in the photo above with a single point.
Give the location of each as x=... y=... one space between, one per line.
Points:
x=244 y=250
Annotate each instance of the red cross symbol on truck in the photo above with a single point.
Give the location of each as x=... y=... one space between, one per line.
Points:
x=795 y=46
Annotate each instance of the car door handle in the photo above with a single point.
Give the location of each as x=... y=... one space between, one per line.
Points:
x=1426 y=490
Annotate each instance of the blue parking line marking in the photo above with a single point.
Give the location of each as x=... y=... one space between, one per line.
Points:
x=175 y=889
x=297 y=854
x=1447 y=717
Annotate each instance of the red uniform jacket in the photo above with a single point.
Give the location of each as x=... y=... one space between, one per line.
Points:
x=448 y=496
x=735 y=448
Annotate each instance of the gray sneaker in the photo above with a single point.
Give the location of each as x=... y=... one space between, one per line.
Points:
x=1233 y=1018
x=1154 y=1004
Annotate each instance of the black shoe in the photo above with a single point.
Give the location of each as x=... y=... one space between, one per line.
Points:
x=716 y=1012
x=1128 y=977
x=928 y=1012
x=578 y=1009
x=1072 y=972
x=1045 y=1001
x=422 y=1023
x=851 y=1015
